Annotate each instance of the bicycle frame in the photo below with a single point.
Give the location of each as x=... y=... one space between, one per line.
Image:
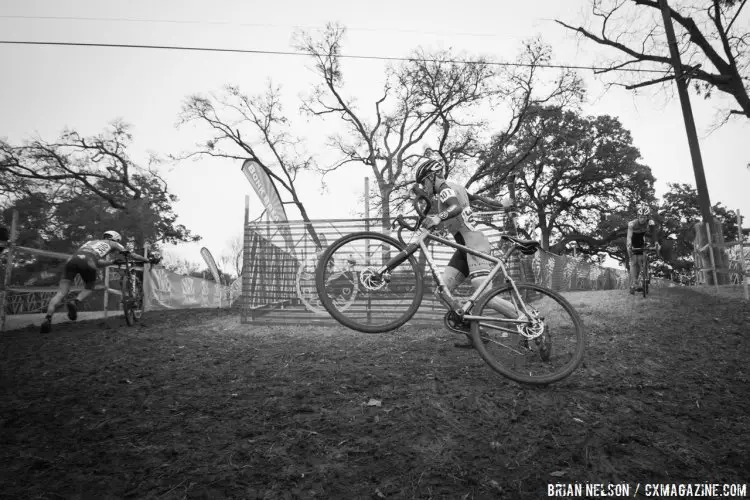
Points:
x=424 y=236
x=127 y=281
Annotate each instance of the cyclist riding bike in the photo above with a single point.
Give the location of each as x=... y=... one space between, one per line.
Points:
x=85 y=261
x=455 y=216
x=638 y=230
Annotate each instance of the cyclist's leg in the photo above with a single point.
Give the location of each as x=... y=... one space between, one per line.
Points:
x=86 y=267
x=635 y=268
x=453 y=275
x=479 y=269
x=88 y=275
x=63 y=289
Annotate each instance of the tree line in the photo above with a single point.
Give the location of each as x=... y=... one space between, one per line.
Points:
x=577 y=177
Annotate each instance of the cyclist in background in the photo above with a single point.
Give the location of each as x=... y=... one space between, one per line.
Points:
x=455 y=216
x=85 y=261
x=635 y=242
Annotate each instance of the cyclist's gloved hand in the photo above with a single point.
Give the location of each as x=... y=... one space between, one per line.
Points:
x=431 y=221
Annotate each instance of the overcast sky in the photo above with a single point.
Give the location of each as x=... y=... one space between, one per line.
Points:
x=48 y=88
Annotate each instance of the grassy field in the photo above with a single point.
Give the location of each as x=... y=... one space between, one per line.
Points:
x=193 y=404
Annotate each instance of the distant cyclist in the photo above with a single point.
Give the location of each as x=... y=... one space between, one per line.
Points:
x=455 y=216
x=638 y=230
x=85 y=261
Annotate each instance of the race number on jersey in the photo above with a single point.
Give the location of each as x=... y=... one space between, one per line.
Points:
x=99 y=247
x=445 y=194
x=468 y=217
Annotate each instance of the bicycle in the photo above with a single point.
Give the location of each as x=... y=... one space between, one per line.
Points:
x=131 y=289
x=344 y=281
x=645 y=271
x=519 y=349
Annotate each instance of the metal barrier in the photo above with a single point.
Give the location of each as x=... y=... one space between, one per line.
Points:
x=29 y=295
x=278 y=282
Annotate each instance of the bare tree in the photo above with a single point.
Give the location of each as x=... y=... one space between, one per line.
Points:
x=266 y=138
x=80 y=184
x=232 y=257
x=425 y=92
x=525 y=89
x=714 y=55
x=175 y=264
x=73 y=162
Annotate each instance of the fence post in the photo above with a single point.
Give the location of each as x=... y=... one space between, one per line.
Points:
x=106 y=290
x=8 y=267
x=146 y=282
x=710 y=244
x=743 y=264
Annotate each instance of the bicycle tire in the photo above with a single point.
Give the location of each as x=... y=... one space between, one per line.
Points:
x=548 y=345
x=327 y=302
x=644 y=273
x=127 y=303
x=138 y=300
x=129 y=313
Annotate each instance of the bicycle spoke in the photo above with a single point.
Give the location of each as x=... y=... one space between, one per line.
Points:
x=545 y=350
x=352 y=290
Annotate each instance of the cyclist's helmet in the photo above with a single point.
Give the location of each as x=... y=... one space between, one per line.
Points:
x=643 y=210
x=112 y=235
x=426 y=168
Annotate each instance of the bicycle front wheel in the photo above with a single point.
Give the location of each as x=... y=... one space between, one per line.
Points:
x=374 y=303
x=546 y=349
x=128 y=309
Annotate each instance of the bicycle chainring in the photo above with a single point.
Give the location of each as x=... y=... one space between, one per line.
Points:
x=456 y=323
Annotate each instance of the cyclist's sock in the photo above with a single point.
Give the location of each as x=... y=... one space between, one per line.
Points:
x=73 y=310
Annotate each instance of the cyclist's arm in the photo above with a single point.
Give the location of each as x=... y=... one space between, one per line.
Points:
x=450 y=201
x=629 y=240
x=497 y=205
x=654 y=233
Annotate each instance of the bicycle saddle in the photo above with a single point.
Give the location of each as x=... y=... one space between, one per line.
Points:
x=526 y=247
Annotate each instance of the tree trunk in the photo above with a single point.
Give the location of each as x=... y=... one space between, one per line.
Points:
x=308 y=224
x=545 y=238
x=385 y=214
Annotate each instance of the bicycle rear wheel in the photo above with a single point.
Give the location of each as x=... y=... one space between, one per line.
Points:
x=547 y=350
x=375 y=303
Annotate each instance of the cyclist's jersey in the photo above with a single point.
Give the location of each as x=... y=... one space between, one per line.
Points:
x=463 y=230
x=463 y=221
x=100 y=248
x=639 y=232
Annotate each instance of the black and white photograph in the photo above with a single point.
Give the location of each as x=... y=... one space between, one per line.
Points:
x=392 y=250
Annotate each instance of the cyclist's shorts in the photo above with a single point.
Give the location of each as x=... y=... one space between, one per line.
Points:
x=83 y=264
x=467 y=264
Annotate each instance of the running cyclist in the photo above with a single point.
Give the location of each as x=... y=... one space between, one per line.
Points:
x=638 y=230
x=85 y=261
x=455 y=215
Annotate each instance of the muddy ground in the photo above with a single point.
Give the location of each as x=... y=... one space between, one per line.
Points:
x=193 y=404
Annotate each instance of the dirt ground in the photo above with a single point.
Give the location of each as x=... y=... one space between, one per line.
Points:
x=193 y=404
